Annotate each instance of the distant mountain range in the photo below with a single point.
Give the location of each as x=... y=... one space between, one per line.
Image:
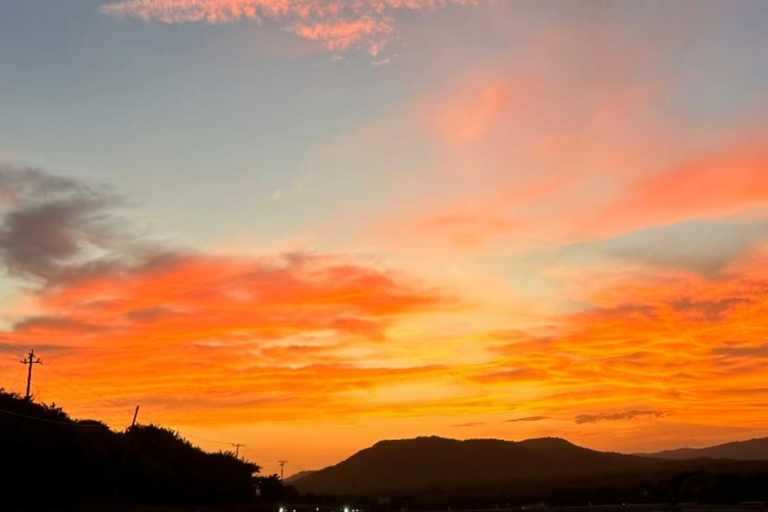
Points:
x=405 y=466
x=435 y=461
x=754 y=449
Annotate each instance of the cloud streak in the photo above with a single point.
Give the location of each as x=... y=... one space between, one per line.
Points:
x=336 y=24
x=527 y=419
x=618 y=416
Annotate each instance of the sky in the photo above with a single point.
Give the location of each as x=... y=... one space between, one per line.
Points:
x=309 y=225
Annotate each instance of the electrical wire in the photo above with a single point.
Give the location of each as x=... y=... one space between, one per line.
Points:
x=46 y=420
x=13 y=349
x=16 y=378
x=48 y=370
x=81 y=391
x=203 y=438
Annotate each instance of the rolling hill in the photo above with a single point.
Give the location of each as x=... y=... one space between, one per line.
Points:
x=753 y=449
x=424 y=462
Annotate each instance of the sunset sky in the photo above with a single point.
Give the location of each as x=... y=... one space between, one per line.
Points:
x=308 y=225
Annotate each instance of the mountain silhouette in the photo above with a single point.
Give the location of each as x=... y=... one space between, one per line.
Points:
x=297 y=476
x=753 y=449
x=423 y=462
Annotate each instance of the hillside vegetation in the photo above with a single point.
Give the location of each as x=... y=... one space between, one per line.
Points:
x=51 y=460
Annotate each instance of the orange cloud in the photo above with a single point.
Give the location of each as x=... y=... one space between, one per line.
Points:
x=220 y=341
x=284 y=325
x=297 y=327
x=655 y=345
x=337 y=24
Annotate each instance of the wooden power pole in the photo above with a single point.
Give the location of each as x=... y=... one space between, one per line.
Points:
x=135 y=416
x=30 y=360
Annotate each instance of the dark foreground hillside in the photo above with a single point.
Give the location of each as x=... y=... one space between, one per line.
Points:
x=721 y=483
x=51 y=461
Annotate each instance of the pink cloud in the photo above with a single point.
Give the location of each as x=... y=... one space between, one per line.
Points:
x=340 y=35
x=336 y=24
x=727 y=182
x=593 y=156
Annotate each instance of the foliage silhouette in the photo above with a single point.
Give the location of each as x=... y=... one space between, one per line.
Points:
x=52 y=460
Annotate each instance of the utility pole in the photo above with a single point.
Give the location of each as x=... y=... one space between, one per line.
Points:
x=135 y=415
x=30 y=361
x=237 y=449
x=282 y=466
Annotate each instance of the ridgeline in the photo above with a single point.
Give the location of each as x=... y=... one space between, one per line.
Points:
x=752 y=449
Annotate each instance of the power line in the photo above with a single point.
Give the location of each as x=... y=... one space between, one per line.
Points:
x=81 y=391
x=16 y=378
x=46 y=420
x=11 y=348
x=45 y=392
x=72 y=385
x=227 y=443
x=46 y=369
x=204 y=439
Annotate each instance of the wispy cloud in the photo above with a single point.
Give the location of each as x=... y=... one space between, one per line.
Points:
x=617 y=416
x=469 y=425
x=336 y=24
x=758 y=351
x=527 y=419
x=676 y=326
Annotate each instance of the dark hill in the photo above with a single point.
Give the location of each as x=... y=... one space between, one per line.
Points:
x=298 y=476
x=53 y=461
x=754 y=449
x=425 y=462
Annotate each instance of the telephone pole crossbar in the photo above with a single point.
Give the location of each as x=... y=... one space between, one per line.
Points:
x=30 y=360
x=237 y=449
